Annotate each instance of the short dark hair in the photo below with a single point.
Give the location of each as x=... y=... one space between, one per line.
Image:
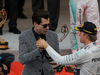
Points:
x=36 y=17
x=92 y=38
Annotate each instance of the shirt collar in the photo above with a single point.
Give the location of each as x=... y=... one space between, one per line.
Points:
x=35 y=32
x=90 y=45
x=37 y=36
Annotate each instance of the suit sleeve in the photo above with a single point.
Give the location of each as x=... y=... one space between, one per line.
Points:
x=72 y=59
x=24 y=55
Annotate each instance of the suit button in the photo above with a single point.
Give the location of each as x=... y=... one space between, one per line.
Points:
x=37 y=56
x=39 y=70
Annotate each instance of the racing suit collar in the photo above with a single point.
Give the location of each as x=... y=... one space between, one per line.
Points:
x=89 y=45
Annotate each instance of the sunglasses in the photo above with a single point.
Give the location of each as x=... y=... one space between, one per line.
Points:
x=45 y=25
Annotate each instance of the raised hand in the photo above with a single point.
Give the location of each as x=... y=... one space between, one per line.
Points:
x=41 y=43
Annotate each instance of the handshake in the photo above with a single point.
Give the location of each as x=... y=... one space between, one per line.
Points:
x=42 y=44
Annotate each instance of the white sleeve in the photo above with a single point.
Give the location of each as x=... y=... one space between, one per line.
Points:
x=72 y=59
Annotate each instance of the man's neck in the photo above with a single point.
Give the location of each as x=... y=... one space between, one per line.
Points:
x=87 y=42
x=36 y=31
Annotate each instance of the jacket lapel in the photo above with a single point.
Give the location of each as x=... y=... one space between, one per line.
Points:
x=32 y=37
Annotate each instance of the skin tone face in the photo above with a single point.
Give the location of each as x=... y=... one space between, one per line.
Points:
x=82 y=37
x=39 y=27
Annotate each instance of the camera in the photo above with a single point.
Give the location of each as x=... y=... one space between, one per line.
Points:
x=7 y=59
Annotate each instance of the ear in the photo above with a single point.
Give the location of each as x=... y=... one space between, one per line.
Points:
x=35 y=24
x=87 y=36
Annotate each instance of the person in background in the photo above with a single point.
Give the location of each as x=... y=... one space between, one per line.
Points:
x=33 y=58
x=77 y=10
x=5 y=68
x=12 y=12
x=86 y=60
x=20 y=9
x=5 y=61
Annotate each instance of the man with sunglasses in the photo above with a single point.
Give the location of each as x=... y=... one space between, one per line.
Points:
x=33 y=58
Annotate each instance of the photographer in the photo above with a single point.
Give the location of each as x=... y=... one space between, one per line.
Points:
x=5 y=60
x=5 y=68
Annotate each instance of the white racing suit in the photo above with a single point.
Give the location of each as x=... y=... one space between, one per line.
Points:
x=86 y=60
x=77 y=9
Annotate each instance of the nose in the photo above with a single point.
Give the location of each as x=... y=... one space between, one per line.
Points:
x=47 y=27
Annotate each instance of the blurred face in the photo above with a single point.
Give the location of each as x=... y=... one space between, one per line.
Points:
x=82 y=37
x=43 y=27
